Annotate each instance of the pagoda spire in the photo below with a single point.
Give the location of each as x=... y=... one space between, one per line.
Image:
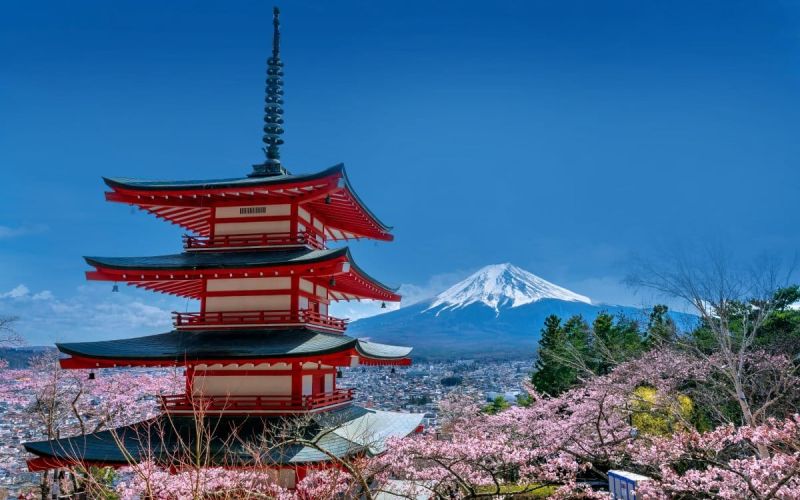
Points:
x=273 y=108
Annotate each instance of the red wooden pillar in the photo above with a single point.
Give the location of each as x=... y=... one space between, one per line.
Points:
x=295 y=293
x=295 y=220
x=297 y=380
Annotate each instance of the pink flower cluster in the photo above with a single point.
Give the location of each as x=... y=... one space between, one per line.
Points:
x=726 y=462
x=556 y=442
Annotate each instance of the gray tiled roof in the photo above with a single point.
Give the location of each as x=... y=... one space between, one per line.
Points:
x=340 y=432
x=219 y=260
x=244 y=182
x=180 y=345
x=155 y=185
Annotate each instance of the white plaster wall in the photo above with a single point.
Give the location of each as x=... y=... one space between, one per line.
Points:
x=306 y=285
x=227 y=212
x=273 y=226
x=238 y=385
x=287 y=478
x=303 y=213
x=249 y=303
x=219 y=285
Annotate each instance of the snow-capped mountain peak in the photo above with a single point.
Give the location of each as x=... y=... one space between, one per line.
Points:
x=502 y=286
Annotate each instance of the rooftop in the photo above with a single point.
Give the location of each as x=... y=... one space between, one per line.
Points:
x=341 y=432
x=184 y=346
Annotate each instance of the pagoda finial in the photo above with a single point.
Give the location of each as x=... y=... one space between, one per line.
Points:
x=273 y=108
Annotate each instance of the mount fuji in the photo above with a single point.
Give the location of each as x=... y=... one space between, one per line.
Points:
x=497 y=312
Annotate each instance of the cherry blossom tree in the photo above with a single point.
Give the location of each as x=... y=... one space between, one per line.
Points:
x=557 y=442
x=49 y=402
x=733 y=302
x=724 y=463
x=8 y=335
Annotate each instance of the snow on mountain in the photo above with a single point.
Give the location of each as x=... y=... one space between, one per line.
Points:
x=502 y=286
x=497 y=313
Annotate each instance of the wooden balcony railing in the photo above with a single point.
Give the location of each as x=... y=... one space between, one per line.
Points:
x=251 y=241
x=242 y=319
x=182 y=403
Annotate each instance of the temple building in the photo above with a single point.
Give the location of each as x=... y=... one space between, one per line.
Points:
x=262 y=352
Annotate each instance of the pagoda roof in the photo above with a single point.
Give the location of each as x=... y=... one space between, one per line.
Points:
x=220 y=260
x=189 y=203
x=341 y=432
x=181 y=347
x=180 y=273
x=205 y=184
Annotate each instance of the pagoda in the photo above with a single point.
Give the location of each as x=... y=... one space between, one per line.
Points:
x=263 y=348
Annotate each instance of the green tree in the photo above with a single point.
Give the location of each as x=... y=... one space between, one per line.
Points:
x=574 y=350
x=548 y=373
x=614 y=342
x=497 y=405
x=780 y=332
x=524 y=400
x=562 y=351
x=660 y=327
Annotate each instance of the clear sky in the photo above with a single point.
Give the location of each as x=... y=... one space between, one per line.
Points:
x=564 y=136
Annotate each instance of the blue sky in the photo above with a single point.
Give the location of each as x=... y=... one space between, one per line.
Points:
x=564 y=137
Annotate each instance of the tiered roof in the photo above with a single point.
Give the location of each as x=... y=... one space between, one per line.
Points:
x=190 y=204
x=180 y=347
x=343 y=432
x=181 y=274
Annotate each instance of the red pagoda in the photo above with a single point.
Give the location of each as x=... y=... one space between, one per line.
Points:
x=262 y=349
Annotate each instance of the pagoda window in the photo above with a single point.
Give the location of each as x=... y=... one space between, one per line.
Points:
x=322 y=292
x=253 y=211
x=328 y=383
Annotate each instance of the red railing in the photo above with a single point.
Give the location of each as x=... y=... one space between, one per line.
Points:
x=241 y=319
x=251 y=240
x=182 y=403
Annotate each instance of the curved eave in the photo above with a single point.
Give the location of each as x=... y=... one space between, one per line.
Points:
x=373 y=353
x=386 y=228
x=165 y=186
x=386 y=292
x=380 y=230
x=337 y=434
x=181 y=274
x=189 y=203
x=209 y=261
x=180 y=348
